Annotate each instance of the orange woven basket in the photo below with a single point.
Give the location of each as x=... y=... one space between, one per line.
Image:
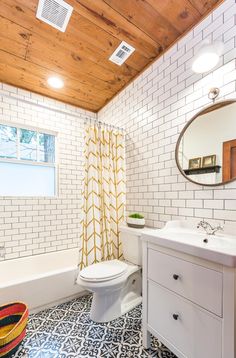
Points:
x=13 y=321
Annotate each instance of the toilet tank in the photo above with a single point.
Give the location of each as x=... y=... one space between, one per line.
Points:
x=131 y=244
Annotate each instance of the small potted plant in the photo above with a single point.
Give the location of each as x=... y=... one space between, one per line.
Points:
x=136 y=220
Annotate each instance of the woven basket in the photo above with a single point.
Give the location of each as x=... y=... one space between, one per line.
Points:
x=13 y=321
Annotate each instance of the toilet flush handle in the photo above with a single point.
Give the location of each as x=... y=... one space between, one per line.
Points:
x=175 y=277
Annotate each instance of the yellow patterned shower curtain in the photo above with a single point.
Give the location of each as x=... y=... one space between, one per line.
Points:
x=104 y=195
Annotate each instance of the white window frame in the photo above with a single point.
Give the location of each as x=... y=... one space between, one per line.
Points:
x=34 y=162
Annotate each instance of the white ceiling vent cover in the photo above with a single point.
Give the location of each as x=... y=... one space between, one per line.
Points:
x=56 y=13
x=121 y=54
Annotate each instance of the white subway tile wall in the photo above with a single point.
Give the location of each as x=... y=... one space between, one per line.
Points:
x=35 y=225
x=153 y=110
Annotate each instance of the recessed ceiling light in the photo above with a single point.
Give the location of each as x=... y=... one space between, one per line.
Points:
x=55 y=82
x=207 y=58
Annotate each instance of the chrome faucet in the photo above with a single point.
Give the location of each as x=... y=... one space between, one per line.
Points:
x=209 y=229
x=2 y=251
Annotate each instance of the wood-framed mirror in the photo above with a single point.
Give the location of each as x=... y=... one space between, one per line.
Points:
x=205 y=151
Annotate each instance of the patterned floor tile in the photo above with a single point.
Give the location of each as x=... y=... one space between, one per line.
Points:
x=66 y=331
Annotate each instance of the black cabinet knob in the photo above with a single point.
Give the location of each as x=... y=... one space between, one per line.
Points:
x=175 y=316
x=175 y=277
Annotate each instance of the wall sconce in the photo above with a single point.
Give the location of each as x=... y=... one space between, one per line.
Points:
x=213 y=93
x=207 y=57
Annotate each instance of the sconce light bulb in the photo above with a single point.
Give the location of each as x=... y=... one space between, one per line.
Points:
x=207 y=56
x=205 y=62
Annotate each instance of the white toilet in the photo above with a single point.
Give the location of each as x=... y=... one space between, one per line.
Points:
x=116 y=285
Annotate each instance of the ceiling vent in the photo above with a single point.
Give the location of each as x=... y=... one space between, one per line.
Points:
x=121 y=54
x=56 y=13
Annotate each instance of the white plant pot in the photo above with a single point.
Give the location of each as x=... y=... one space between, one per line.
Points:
x=137 y=223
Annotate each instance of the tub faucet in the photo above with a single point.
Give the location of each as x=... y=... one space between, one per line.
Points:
x=2 y=251
x=209 y=229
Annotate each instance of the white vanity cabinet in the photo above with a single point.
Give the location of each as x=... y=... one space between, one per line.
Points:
x=188 y=302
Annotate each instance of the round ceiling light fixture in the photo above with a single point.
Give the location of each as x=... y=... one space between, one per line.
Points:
x=55 y=82
x=207 y=57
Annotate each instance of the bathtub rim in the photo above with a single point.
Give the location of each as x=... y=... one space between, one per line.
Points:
x=38 y=275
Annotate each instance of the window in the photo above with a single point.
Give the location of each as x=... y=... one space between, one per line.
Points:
x=27 y=162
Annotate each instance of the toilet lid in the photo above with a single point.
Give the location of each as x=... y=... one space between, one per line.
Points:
x=103 y=271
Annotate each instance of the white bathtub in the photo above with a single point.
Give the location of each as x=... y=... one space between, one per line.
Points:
x=40 y=280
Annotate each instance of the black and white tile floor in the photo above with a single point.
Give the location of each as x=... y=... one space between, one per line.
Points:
x=66 y=331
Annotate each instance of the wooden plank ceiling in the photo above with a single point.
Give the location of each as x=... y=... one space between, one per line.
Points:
x=31 y=51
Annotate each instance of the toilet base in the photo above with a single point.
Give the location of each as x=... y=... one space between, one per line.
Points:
x=107 y=307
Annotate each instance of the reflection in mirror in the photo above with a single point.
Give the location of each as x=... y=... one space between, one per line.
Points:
x=206 y=148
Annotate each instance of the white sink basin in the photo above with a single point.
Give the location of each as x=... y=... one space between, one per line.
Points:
x=178 y=236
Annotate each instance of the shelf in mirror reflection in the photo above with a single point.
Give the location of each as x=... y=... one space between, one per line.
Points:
x=213 y=169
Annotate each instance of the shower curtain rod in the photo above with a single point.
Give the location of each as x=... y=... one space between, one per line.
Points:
x=95 y=121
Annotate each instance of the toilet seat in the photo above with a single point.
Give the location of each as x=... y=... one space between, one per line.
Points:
x=103 y=271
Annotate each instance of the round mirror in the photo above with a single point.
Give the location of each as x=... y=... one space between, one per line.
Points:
x=206 y=149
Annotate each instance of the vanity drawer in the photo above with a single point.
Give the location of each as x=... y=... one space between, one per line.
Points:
x=193 y=331
x=194 y=282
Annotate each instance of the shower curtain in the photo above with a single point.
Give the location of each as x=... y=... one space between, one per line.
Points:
x=104 y=195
